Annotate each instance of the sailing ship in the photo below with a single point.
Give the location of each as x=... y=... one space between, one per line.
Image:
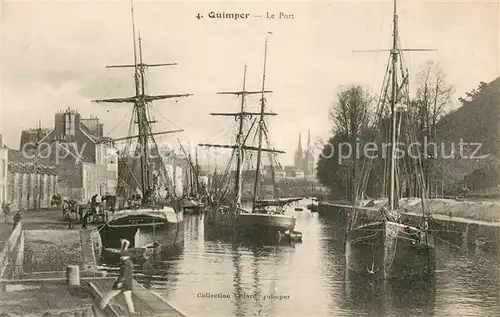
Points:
x=151 y=220
x=225 y=213
x=195 y=192
x=388 y=246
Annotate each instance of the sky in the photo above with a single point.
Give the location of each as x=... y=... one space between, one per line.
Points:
x=54 y=55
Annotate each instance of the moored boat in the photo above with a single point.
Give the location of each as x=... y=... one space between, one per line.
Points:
x=147 y=229
x=264 y=220
x=388 y=247
x=149 y=213
x=312 y=207
x=225 y=212
x=192 y=206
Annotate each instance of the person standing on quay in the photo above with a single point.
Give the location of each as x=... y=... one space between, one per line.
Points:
x=17 y=219
x=124 y=282
x=6 y=211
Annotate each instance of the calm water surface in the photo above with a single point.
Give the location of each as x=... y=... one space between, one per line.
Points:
x=311 y=279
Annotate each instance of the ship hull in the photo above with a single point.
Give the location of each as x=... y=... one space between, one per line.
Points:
x=312 y=207
x=192 y=207
x=145 y=229
x=389 y=250
x=245 y=223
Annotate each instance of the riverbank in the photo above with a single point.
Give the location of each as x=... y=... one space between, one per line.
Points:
x=473 y=225
x=486 y=210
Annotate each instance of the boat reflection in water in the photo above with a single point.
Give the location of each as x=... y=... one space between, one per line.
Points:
x=252 y=282
x=264 y=238
x=149 y=232
x=390 y=297
x=158 y=271
x=161 y=271
x=139 y=256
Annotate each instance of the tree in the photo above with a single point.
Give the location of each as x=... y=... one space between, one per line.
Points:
x=469 y=96
x=351 y=112
x=350 y=115
x=433 y=95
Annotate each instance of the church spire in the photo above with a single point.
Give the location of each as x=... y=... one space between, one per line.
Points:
x=299 y=147
x=298 y=153
x=308 y=141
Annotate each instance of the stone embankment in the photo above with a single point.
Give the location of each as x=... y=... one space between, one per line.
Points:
x=465 y=223
x=50 y=267
x=488 y=211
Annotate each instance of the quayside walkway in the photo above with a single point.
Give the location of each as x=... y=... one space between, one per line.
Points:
x=72 y=290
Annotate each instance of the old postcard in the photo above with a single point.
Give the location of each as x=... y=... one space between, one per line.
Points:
x=250 y=158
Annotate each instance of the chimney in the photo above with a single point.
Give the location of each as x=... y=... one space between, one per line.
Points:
x=100 y=130
x=66 y=124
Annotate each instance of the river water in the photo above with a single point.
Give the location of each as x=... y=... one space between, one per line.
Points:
x=212 y=278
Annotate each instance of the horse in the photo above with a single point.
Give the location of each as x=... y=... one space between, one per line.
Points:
x=95 y=213
x=68 y=206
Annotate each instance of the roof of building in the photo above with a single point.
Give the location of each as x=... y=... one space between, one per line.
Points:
x=65 y=152
x=46 y=132
x=88 y=133
x=26 y=162
x=18 y=157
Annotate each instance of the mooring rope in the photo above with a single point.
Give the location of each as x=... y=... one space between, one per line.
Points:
x=488 y=261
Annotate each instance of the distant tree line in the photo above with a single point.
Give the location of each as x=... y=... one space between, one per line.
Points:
x=356 y=121
x=358 y=118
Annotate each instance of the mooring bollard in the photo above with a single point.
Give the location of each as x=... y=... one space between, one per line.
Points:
x=73 y=275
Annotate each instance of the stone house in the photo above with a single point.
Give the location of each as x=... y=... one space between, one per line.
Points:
x=85 y=161
x=31 y=181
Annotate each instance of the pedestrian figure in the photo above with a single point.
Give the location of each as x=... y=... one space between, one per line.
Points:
x=123 y=284
x=17 y=219
x=65 y=209
x=84 y=218
x=6 y=211
x=93 y=204
x=80 y=213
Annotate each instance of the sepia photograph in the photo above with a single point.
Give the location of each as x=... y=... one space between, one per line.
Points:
x=250 y=158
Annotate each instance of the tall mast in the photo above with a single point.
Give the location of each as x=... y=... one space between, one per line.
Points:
x=395 y=51
x=137 y=76
x=393 y=196
x=240 y=146
x=197 y=172
x=143 y=127
x=260 y=127
x=140 y=101
x=136 y=69
x=239 y=143
x=190 y=172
